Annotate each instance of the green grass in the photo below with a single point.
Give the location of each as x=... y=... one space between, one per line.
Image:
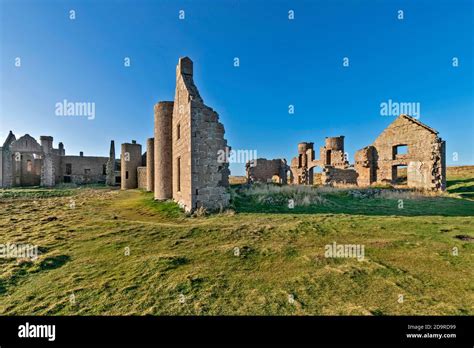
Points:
x=121 y=253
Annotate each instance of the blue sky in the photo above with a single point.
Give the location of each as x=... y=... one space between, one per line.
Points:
x=282 y=62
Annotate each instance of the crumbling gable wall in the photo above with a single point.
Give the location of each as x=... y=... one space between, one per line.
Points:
x=199 y=180
x=263 y=170
x=425 y=156
x=26 y=163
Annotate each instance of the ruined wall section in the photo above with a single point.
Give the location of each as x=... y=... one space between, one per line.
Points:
x=181 y=137
x=263 y=170
x=199 y=180
x=303 y=164
x=110 y=172
x=47 y=168
x=84 y=169
x=142 y=178
x=210 y=178
x=7 y=161
x=366 y=166
x=425 y=157
x=26 y=163
x=333 y=176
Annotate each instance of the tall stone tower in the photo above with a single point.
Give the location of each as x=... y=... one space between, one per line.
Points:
x=188 y=140
x=47 y=169
x=163 y=150
x=150 y=164
x=131 y=159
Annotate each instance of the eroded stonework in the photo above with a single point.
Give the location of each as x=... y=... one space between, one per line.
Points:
x=199 y=179
x=379 y=163
x=424 y=156
x=184 y=151
x=264 y=171
x=25 y=162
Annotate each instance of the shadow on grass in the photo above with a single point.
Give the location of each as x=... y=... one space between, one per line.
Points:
x=438 y=206
x=459 y=181
x=52 y=262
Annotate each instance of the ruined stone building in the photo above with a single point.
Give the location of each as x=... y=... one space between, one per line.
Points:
x=263 y=170
x=405 y=144
x=25 y=162
x=181 y=161
x=332 y=160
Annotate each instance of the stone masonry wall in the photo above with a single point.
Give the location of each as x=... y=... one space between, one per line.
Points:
x=181 y=136
x=338 y=176
x=142 y=177
x=163 y=161
x=198 y=178
x=263 y=170
x=425 y=157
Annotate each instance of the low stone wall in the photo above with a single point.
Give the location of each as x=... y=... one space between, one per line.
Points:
x=337 y=176
x=263 y=170
x=141 y=175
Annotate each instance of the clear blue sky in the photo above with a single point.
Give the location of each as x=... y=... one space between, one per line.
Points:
x=282 y=62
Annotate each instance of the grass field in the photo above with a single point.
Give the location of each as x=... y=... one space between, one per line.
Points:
x=111 y=252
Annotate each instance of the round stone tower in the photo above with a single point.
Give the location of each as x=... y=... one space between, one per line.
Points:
x=303 y=147
x=163 y=150
x=131 y=159
x=150 y=164
x=335 y=143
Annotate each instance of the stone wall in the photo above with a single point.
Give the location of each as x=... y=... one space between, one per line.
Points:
x=303 y=164
x=425 y=156
x=84 y=169
x=181 y=135
x=142 y=177
x=263 y=170
x=333 y=176
x=199 y=180
x=366 y=166
x=25 y=162
x=163 y=150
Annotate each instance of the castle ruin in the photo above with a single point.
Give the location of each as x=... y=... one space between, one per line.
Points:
x=264 y=171
x=181 y=162
x=25 y=162
x=405 y=144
